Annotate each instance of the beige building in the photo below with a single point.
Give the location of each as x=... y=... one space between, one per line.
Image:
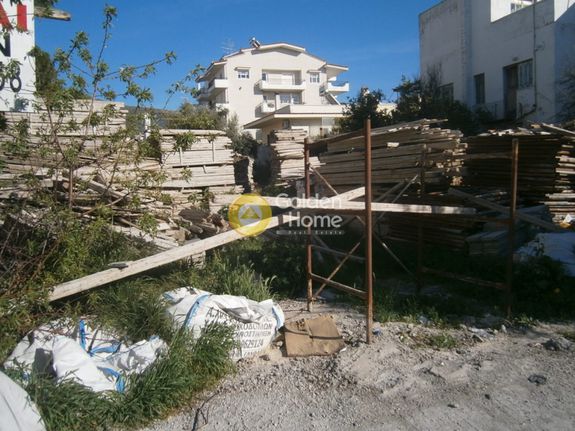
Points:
x=275 y=86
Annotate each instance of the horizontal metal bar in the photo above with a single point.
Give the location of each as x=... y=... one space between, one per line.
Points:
x=464 y=278
x=338 y=253
x=351 y=290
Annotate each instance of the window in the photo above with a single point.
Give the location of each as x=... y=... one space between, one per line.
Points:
x=243 y=74
x=519 y=4
x=290 y=99
x=446 y=92
x=264 y=76
x=286 y=124
x=479 y=89
x=285 y=98
x=525 y=72
x=314 y=77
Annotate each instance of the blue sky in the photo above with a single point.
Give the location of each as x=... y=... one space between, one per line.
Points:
x=377 y=39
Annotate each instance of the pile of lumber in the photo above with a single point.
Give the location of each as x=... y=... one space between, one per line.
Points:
x=41 y=122
x=287 y=156
x=436 y=229
x=38 y=154
x=398 y=153
x=207 y=162
x=179 y=179
x=546 y=166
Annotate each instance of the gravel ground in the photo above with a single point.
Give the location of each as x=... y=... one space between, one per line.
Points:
x=492 y=379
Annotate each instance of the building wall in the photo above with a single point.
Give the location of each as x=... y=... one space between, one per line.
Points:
x=464 y=38
x=564 y=51
x=441 y=44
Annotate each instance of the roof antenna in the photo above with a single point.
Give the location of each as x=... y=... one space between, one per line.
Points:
x=255 y=43
x=228 y=46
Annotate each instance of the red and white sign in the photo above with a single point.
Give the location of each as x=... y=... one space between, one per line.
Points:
x=16 y=41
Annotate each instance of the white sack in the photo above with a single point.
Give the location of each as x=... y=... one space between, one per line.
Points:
x=89 y=356
x=255 y=323
x=71 y=362
x=17 y=411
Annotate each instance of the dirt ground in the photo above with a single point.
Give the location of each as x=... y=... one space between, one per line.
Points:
x=494 y=378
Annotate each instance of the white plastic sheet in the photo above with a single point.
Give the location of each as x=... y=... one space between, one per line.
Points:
x=557 y=246
x=17 y=411
x=89 y=356
x=255 y=323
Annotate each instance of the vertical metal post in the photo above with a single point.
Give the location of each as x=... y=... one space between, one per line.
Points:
x=511 y=234
x=423 y=161
x=368 y=231
x=309 y=268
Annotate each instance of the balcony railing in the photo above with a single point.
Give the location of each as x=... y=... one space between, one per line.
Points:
x=214 y=87
x=267 y=106
x=281 y=84
x=335 y=87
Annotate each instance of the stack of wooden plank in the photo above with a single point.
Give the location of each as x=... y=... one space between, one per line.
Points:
x=546 y=167
x=398 y=153
x=37 y=154
x=287 y=156
x=182 y=178
x=204 y=167
x=41 y=121
x=437 y=229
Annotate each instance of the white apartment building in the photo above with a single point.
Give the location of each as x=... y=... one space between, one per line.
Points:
x=508 y=56
x=275 y=86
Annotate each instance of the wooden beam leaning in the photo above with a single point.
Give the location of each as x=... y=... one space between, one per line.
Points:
x=337 y=253
x=359 y=293
x=138 y=266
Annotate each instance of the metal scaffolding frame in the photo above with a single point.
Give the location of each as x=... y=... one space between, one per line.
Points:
x=365 y=216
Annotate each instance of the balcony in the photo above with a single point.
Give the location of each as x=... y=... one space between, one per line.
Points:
x=335 y=87
x=222 y=105
x=267 y=107
x=279 y=84
x=215 y=87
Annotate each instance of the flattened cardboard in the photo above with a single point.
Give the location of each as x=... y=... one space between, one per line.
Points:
x=313 y=337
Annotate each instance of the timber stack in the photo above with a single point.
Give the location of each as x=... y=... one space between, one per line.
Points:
x=546 y=172
x=196 y=160
x=190 y=168
x=287 y=156
x=399 y=153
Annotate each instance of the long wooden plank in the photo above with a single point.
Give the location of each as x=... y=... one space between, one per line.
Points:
x=110 y=275
x=104 y=277
x=503 y=210
x=341 y=205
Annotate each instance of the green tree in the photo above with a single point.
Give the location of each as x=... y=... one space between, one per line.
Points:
x=195 y=117
x=242 y=142
x=365 y=105
x=423 y=98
